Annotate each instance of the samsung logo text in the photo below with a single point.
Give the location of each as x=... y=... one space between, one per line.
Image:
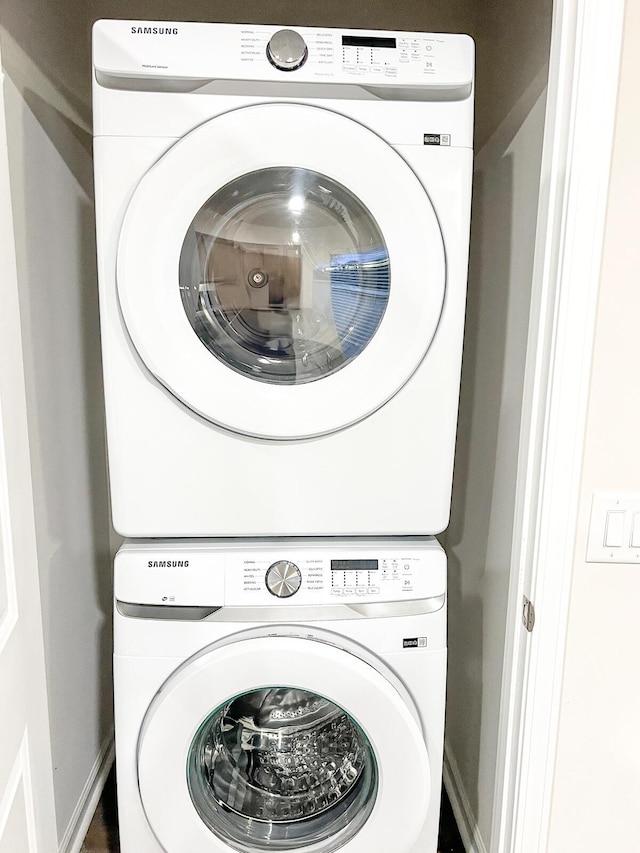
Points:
x=155 y=31
x=168 y=564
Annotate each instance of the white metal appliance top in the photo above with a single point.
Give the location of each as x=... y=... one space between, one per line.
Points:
x=421 y=66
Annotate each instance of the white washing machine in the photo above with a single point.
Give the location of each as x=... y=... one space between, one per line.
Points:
x=280 y=695
x=283 y=220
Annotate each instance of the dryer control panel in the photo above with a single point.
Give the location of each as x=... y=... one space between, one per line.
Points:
x=314 y=573
x=425 y=66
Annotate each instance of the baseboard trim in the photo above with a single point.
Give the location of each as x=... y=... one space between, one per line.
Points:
x=467 y=826
x=83 y=813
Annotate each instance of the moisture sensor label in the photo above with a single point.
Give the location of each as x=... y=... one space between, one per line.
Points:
x=437 y=138
x=414 y=643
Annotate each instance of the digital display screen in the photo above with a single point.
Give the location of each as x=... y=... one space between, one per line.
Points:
x=368 y=41
x=354 y=565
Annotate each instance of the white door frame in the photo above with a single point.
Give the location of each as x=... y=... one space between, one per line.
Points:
x=581 y=109
x=27 y=816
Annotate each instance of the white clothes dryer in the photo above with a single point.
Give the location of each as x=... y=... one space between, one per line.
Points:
x=283 y=221
x=280 y=695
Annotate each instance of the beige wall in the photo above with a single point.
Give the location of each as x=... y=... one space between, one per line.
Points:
x=597 y=777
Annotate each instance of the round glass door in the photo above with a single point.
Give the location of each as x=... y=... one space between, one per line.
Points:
x=284 y=275
x=282 y=768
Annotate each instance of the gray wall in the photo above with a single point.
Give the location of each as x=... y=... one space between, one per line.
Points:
x=479 y=538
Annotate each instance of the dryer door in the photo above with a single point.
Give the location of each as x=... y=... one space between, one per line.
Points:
x=281 y=271
x=283 y=743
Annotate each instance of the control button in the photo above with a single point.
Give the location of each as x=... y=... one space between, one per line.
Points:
x=283 y=579
x=287 y=50
x=635 y=531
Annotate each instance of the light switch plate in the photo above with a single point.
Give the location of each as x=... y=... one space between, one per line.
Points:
x=614 y=516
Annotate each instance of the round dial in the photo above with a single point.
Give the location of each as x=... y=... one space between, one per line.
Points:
x=287 y=50
x=283 y=579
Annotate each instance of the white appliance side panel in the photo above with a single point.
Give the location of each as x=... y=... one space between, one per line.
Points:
x=136 y=680
x=147 y=114
x=381 y=636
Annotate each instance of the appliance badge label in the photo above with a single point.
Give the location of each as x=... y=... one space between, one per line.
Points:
x=437 y=138
x=168 y=564
x=414 y=643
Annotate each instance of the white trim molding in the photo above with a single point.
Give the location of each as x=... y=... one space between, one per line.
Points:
x=76 y=831
x=581 y=108
x=460 y=805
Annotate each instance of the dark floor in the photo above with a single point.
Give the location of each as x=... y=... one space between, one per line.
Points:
x=103 y=832
x=449 y=840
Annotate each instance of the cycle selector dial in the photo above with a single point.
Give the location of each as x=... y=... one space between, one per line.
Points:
x=287 y=50
x=283 y=579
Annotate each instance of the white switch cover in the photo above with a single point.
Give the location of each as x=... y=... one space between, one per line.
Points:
x=614 y=528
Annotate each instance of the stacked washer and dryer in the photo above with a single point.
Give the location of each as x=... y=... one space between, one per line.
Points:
x=283 y=219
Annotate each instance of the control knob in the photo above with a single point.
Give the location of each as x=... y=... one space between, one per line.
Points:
x=283 y=579
x=287 y=50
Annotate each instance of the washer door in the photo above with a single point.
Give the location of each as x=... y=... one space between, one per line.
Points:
x=283 y=743
x=281 y=271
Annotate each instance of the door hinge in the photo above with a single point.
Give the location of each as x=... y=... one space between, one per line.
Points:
x=528 y=614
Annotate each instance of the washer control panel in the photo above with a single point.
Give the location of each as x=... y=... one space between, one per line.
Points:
x=264 y=573
x=334 y=577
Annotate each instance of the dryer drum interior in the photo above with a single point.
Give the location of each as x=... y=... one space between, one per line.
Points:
x=284 y=275
x=281 y=768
